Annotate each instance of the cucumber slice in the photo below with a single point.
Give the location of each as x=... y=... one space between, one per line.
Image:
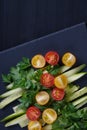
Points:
x=76 y=77
x=10 y=99
x=14 y=115
x=64 y=68
x=76 y=94
x=78 y=101
x=10 y=92
x=24 y=122
x=47 y=127
x=75 y=70
x=16 y=108
x=9 y=86
x=81 y=104
x=16 y=121
x=69 y=90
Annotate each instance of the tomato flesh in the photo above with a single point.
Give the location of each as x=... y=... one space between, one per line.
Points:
x=68 y=59
x=34 y=125
x=42 y=98
x=47 y=80
x=33 y=113
x=58 y=94
x=61 y=81
x=38 y=61
x=49 y=115
x=52 y=57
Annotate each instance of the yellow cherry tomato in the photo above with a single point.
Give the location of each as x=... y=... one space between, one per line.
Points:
x=68 y=59
x=61 y=81
x=49 y=115
x=38 y=61
x=42 y=98
x=34 y=125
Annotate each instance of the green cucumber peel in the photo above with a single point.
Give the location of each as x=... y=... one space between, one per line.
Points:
x=23 y=123
x=16 y=120
x=14 y=115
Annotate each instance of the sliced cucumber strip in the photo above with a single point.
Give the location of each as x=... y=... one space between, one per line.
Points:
x=10 y=99
x=78 y=101
x=76 y=94
x=24 y=123
x=69 y=90
x=75 y=70
x=17 y=108
x=9 y=86
x=10 y=92
x=76 y=77
x=14 y=115
x=81 y=104
x=47 y=127
x=64 y=68
x=16 y=121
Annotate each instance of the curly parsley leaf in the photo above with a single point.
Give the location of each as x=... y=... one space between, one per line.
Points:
x=6 y=78
x=25 y=63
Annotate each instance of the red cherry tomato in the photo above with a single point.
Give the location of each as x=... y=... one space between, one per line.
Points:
x=33 y=113
x=58 y=94
x=47 y=80
x=52 y=57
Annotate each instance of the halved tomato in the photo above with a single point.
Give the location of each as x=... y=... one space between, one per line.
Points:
x=38 y=61
x=47 y=80
x=34 y=125
x=42 y=98
x=68 y=59
x=49 y=115
x=58 y=94
x=61 y=81
x=52 y=57
x=33 y=113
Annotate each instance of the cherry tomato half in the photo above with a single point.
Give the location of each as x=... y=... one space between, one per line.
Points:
x=38 y=61
x=33 y=113
x=34 y=125
x=42 y=98
x=61 y=81
x=47 y=80
x=68 y=59
x=49 y=115
x=52 y=57
x=58 y=94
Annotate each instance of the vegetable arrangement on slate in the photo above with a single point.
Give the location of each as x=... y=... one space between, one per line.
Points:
x=48 y=97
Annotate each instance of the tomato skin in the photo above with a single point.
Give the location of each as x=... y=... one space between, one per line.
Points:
x=68 y=59
x=52 y=57
x=47 y=80
x=33 y=113
x=57 y=94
